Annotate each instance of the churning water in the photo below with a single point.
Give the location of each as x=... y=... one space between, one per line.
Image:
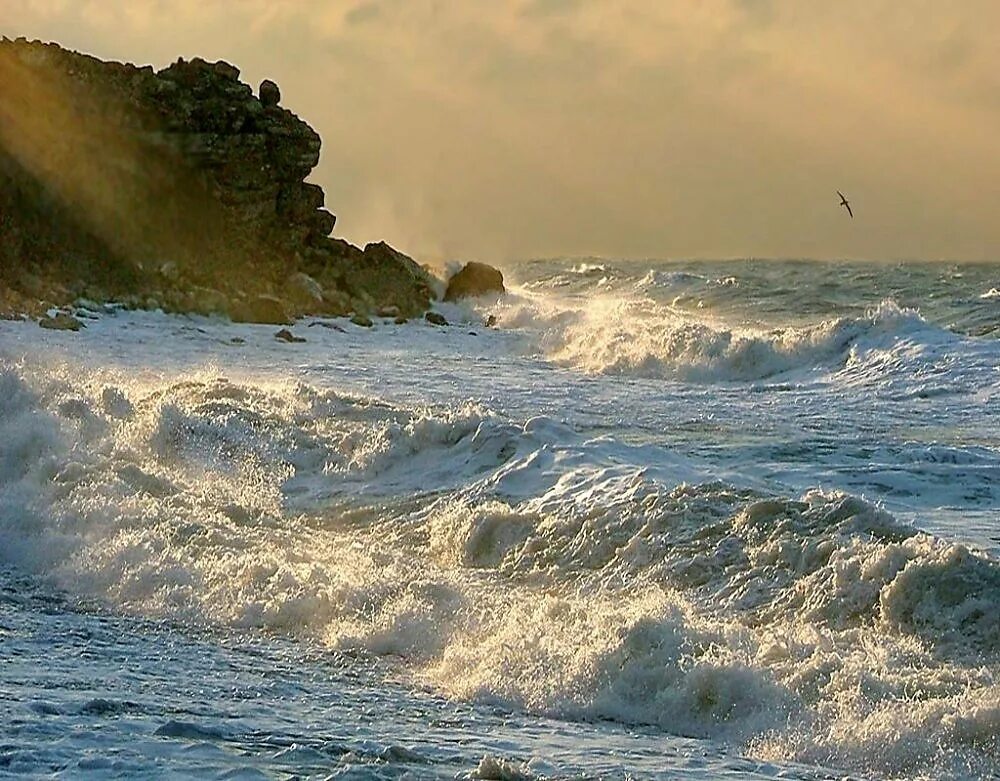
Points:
x=669 y=520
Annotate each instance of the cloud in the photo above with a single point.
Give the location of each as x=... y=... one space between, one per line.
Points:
x=524 y=127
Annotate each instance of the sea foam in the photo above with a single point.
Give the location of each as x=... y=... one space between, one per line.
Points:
x=509 y=561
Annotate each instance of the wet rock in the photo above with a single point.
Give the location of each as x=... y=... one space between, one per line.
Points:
x=331 y=326
x=386 y=278
x=475 y=279
x=363 y=320
x=284 y=335
x=401 y=320
x=436 y=318
x=260 y=309
x=491 y=321
x=61 y=322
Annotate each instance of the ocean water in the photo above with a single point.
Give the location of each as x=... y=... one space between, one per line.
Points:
x=667 y=520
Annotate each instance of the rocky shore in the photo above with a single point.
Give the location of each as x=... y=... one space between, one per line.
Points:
x=179 y=189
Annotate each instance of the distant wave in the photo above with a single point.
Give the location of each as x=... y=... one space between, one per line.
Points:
x=991 y=294
x=621 y=335
x=512 y=561
x=589 y=269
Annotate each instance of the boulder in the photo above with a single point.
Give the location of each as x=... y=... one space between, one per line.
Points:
x=475 y=279
x=61 y=322
x=436 y=318
x=207 y=301
x=284 y=335
x=304 y=292
x=269 y=93
x=227 y=70
x=336 y=303
x=260 y=309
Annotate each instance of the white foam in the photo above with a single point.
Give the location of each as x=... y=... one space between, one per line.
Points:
x=514 y=561
x=633 y=336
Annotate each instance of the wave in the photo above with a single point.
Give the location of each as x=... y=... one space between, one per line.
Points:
x=509 y=562
x=635 y=337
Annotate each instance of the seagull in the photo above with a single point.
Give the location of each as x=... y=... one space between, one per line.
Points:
x=845 y=204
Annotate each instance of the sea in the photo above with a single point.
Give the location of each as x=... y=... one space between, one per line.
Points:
x=661 y=520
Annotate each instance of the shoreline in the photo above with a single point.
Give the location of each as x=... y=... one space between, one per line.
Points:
x=182 y=189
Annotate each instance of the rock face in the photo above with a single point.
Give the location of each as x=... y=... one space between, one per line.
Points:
x=123 y=182
x=475 y=279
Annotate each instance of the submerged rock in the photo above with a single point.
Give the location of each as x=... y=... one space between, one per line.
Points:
x=284 y=335
x=475 y=279
x=363 y=320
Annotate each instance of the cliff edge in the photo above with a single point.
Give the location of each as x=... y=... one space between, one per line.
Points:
x=179 y=188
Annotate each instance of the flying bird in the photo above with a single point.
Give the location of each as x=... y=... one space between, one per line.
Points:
x=844 y=202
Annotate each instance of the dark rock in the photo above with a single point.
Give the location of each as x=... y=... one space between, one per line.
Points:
x=226 y=70
x=363 y=320
x=323 y=222
x=331 y=326
x=284 y=335
x=401 y=320
x=260 y=309
x=162 y=185
x=389 y=278
x=475 y=279
x=61 y=322
x=491 y=321
x=269 y=93
x=435 y=318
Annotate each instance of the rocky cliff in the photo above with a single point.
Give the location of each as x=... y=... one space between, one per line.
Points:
x=178 y=188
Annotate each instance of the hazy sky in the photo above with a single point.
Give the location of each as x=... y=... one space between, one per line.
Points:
x=667 y=128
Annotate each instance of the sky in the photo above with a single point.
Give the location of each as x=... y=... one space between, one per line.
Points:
x=502 y=129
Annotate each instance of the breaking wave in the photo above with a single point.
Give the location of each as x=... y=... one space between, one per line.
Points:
x=515 y=562
x=636 y=337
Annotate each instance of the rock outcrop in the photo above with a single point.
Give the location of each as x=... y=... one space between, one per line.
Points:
x=475 y=279
x=178 y=188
